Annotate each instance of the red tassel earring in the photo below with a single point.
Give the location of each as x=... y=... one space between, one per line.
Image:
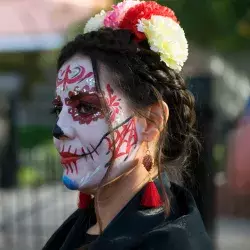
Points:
x=151 y=197
x=83 y=200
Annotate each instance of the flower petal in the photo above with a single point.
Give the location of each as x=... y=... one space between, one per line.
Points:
x=166 y=37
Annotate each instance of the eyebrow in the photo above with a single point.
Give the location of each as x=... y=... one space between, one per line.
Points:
x=88 y=97
x=75 y=95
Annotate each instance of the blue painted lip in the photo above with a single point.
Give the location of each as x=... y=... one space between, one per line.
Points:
x=72 y=185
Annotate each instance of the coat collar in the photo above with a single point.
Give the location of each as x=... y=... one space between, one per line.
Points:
x=125 y=230
x=131 y=223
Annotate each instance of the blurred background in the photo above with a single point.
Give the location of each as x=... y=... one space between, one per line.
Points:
x=33 y=202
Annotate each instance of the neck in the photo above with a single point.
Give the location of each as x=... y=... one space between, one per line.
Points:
x=114 y=196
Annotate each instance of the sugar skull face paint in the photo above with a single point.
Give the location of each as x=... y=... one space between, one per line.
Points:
x=82 y=135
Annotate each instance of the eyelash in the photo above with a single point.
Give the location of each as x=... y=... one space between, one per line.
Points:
x=87 y=105
x=57 y=109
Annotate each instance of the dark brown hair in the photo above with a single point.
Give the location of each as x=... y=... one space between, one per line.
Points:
x=141 y=76
x=144 y=80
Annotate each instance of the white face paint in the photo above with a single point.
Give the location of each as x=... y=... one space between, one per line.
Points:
x=81 y=134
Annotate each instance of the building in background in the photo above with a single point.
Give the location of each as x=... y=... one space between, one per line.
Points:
x=28 y=25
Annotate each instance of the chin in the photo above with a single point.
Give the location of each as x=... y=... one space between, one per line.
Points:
x=86 y=183
x=70 y=183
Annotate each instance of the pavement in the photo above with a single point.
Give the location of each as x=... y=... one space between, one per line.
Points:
x=232 y=234
x=29 y=217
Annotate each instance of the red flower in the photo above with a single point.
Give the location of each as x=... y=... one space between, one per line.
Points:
x=144 y=10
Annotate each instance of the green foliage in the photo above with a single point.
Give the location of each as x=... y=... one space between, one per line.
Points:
x=212 y=23
x=39 y=160
x=40 y=164
x=219 y=155
x=31 y=136
x=223 y=25
x=47 y=59
x=75 y=29
x=28 y=176
x=25 y=65
x=215 y=24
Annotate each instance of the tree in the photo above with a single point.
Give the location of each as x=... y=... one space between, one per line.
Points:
x=223 y=25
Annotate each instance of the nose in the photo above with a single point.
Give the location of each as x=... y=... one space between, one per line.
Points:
x=57 y=132
x=63 y=133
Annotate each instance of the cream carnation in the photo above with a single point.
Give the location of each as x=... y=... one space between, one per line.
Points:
x=95 y=23
x=167 y=38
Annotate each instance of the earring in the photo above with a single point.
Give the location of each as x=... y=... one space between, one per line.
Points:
x=148 y=160
x=151 y=197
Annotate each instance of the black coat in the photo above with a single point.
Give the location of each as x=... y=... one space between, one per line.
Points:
x=137 y=228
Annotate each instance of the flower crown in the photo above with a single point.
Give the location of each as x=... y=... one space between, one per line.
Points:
x=147 y=20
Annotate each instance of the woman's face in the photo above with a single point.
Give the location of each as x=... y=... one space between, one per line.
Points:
x=81 y=134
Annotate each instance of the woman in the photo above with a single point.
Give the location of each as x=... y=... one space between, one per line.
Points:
x=124 y=118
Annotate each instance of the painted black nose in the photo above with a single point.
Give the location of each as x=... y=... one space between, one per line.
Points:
x=57 y=132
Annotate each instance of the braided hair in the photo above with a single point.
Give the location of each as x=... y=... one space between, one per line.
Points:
x=144 y=80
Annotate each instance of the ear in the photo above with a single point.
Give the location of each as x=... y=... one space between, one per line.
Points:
x=157 y=117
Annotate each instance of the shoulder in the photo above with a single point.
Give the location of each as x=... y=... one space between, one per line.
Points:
x=175 y=237
x=182 y=230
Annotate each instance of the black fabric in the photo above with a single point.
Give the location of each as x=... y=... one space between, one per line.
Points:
x=138 y=228
x=88 y=238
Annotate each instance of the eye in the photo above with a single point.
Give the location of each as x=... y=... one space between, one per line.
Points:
x=87 y=108
x=56 y=110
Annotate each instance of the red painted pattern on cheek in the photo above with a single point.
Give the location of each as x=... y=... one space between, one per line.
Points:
x=69 y=77
x=125 y=135
x=113 y=103
x=73 y=107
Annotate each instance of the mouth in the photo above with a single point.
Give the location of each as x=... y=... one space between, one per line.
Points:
x=68 y=158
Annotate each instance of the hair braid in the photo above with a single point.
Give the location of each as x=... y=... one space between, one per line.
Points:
x=144 y=79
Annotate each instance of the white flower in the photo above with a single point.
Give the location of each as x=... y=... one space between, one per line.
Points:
x=95 y=23
x=167 y=38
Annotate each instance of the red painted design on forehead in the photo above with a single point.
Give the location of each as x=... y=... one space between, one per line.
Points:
x=71 y=76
